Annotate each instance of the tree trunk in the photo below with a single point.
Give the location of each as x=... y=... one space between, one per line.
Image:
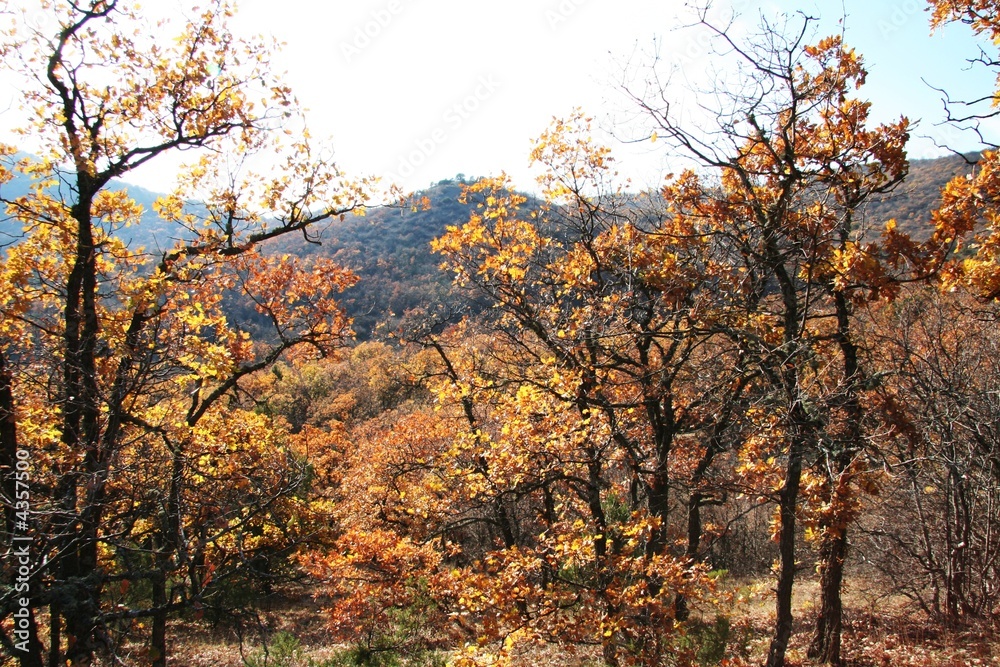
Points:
x=33 y=656
x=786 y=548
x=696 y=501
x=825 y=645
x=681 y=610
x=167 y=544
x=158 y=640
x=82 y=432
x=55 y=635
x=798 y=422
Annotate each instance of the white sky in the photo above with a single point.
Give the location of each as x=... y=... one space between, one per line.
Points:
x=425 y=89
x=387 y=94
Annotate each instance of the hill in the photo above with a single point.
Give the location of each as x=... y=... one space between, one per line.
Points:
x=912 y=202
x=389 y=248
x=153 y=232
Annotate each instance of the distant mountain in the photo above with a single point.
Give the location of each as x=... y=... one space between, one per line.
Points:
x=389 y=248
x=152 y=233
x=911 y=203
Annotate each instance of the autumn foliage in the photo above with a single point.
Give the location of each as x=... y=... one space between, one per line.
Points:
x=740 y=369
x=156 y=486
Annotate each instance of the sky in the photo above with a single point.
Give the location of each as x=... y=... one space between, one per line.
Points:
x=422 y=90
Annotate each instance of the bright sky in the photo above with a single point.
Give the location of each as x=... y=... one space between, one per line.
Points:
x=426 y=89
x=421 y=90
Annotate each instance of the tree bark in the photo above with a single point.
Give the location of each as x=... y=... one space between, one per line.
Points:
x=82 y=431
x=158 y=639
x=788 y=499
x=33 y=656
x=825 y=645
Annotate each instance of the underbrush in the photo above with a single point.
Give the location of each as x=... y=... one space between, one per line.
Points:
x=879 y=632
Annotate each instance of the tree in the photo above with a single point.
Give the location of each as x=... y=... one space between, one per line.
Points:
x=937 y=353
x=969 y=205
x=949 y=420
x=601 y=335
x=386 y=545
x=122 y=374
x=795 y=163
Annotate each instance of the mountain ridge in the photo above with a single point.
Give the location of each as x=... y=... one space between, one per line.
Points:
x=389 y=247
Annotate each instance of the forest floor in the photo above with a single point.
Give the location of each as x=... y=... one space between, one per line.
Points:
x=880 y=631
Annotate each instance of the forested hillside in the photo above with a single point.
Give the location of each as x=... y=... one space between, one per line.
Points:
x=920 y=193
x=149 y=231
x=389 y=248
x=750 y=418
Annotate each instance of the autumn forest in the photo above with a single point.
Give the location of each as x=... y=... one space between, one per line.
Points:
x=749 y=417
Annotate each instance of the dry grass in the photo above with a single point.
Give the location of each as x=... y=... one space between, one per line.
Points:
x=880 y=631
x=198 y=645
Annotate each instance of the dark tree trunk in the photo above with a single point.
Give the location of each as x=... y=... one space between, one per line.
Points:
x=787 y=501
x=694 y=529
x=169 y=543
x=609 y=644
x=82 y=432
x=696 y=501
x=33 y=656
x=825 y=646
x=158 y=640
x=783 y=371
x=661 y=417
